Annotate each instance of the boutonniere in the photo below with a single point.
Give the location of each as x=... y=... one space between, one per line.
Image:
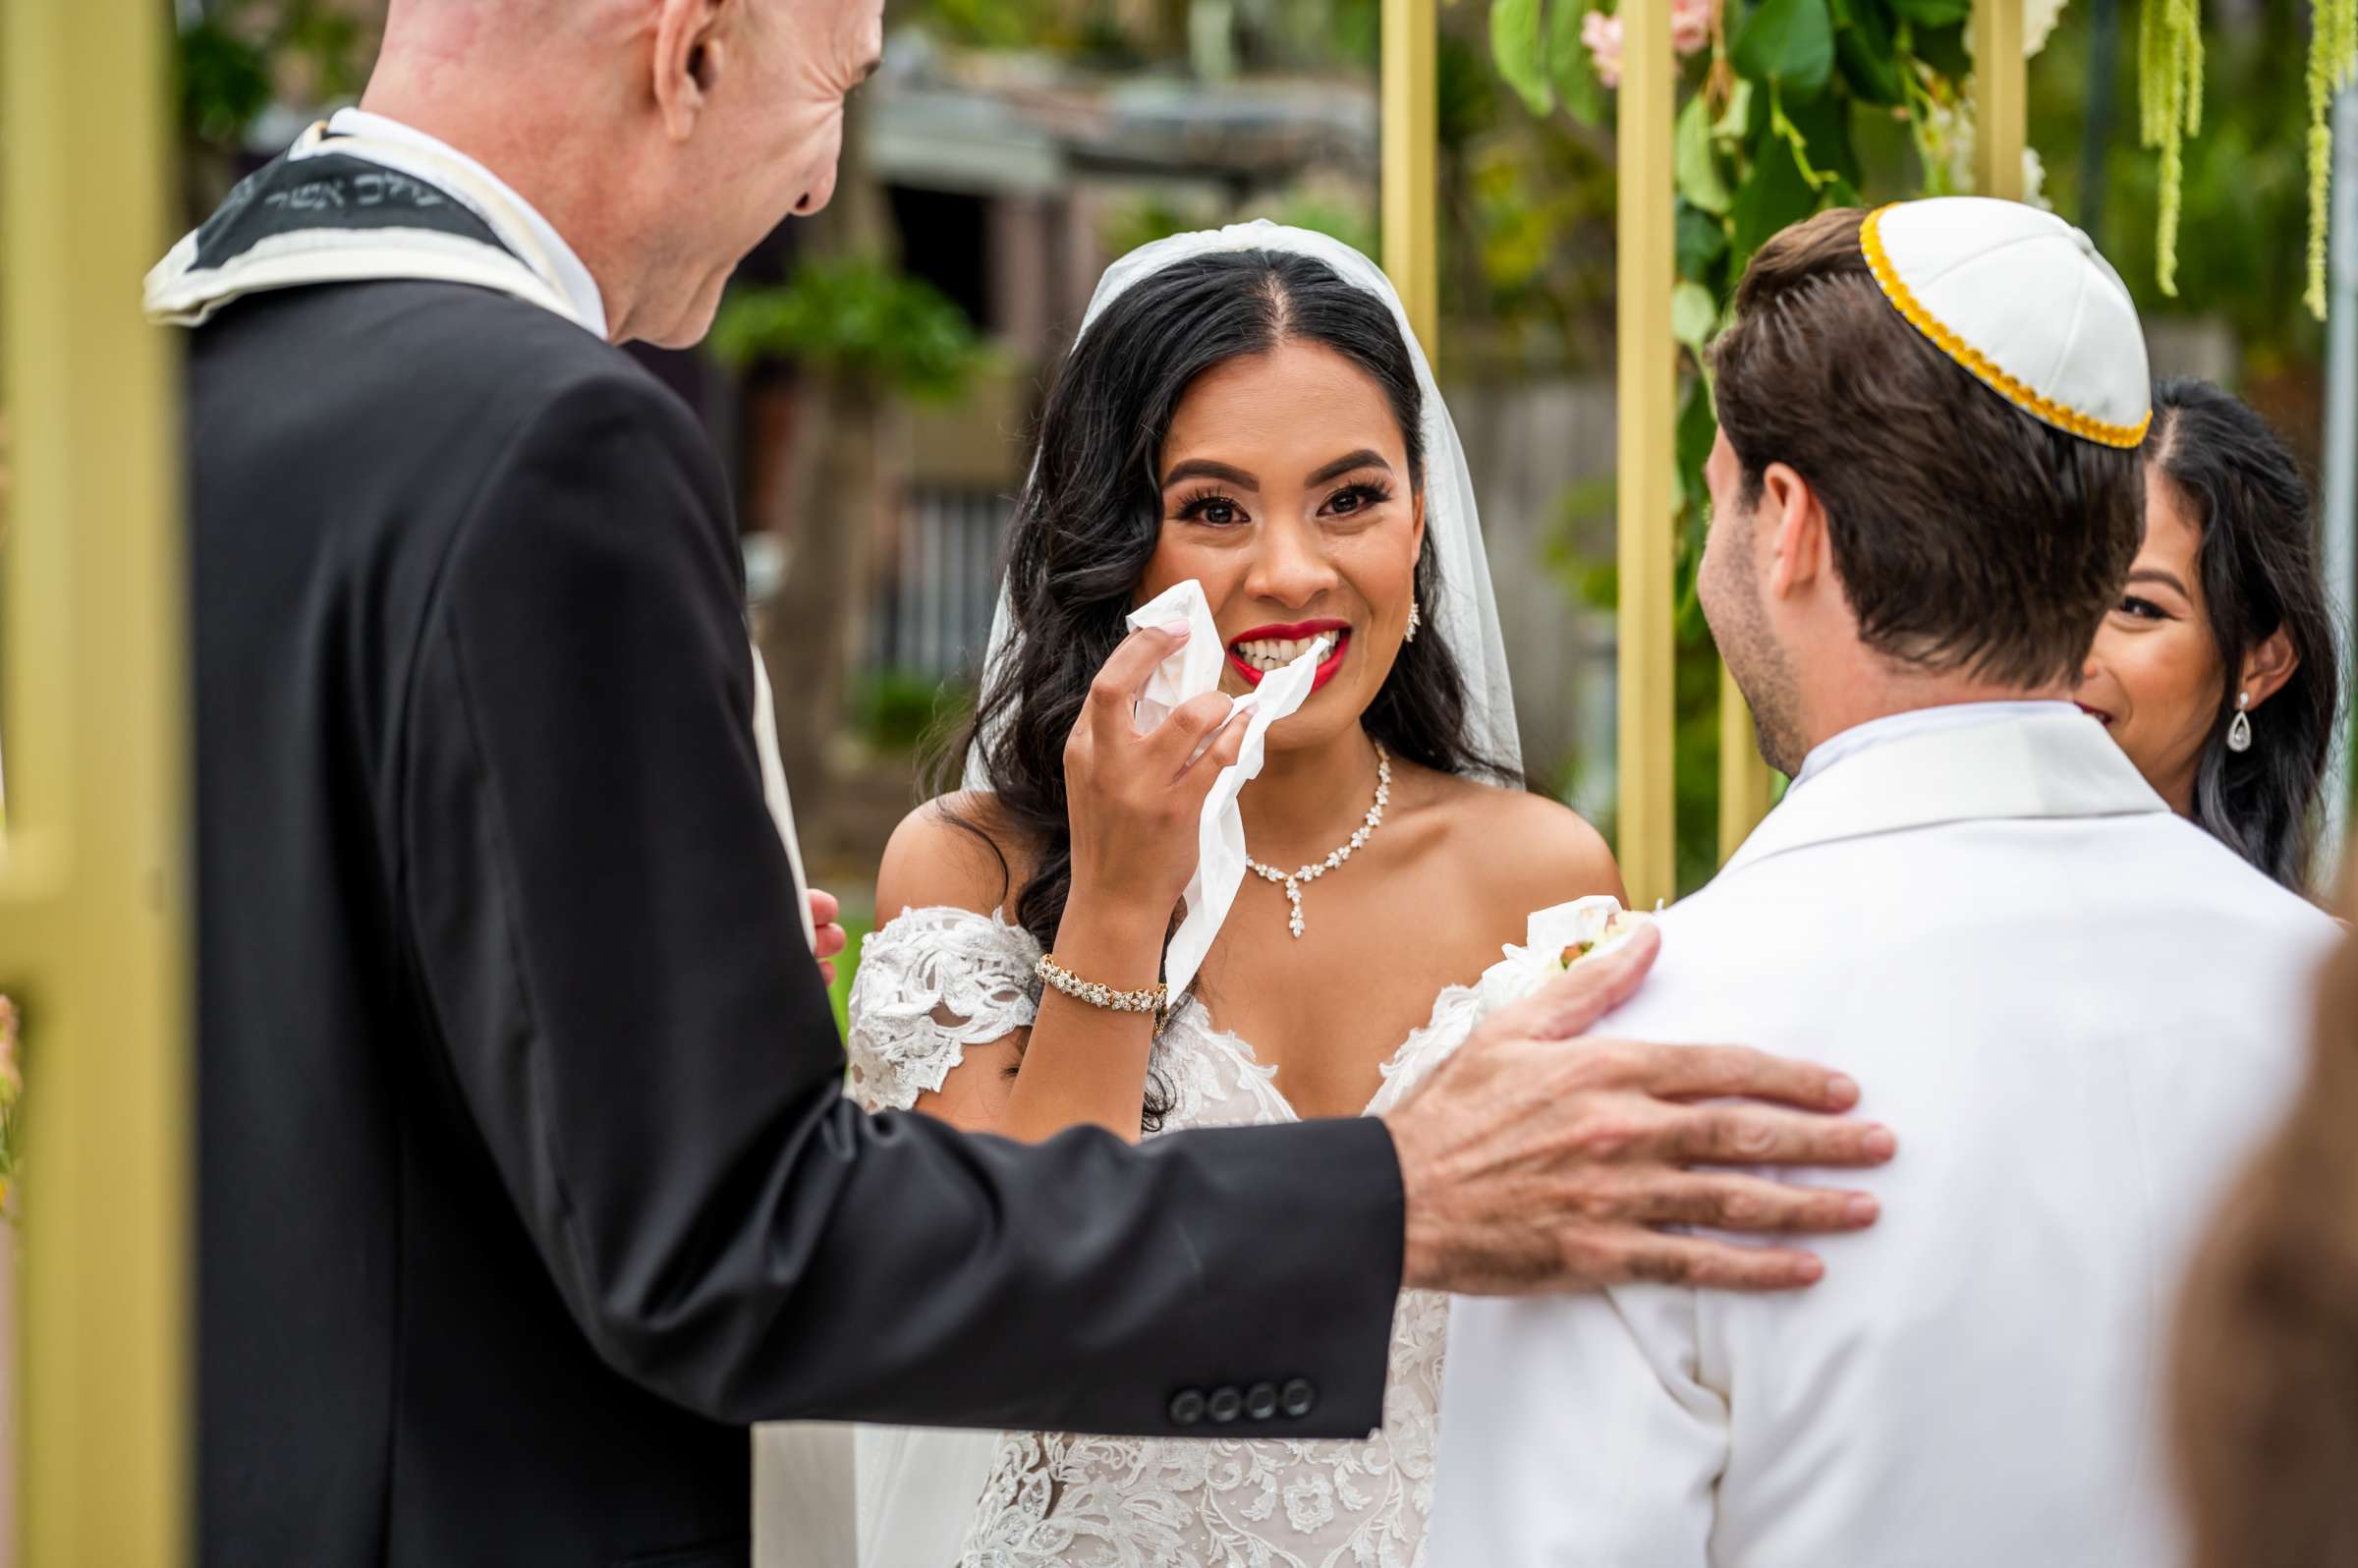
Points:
x=1554 y=939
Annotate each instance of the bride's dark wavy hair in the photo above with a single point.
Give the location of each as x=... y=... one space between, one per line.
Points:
x=1088 y=520
x=2261 y=573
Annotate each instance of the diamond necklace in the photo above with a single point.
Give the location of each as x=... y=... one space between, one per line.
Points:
x=1314 y=870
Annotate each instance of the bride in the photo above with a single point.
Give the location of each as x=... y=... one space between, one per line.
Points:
x=1248 y=410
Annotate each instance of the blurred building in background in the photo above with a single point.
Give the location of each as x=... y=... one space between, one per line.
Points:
x=874 y=378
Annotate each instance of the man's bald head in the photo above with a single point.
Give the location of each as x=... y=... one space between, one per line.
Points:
x=664 y=138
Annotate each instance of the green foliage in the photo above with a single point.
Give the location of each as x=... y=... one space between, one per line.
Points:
x=2333 y=61
x=856 y=929
x=224 y=84
x=859 y=318
x=1152 y=218
x=897 y=710
x=1790 y=44
x=2169 y=84
x=2241 y=259
x=1773 y=128
x=1541 y=55
x=1157 y=217
x=228 y=62
x=1522 y=61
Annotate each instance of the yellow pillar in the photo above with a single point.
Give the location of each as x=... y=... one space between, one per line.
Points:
x=1745 y=780
x=2001 y=98
x=1411 y=118
x=1648 y=419
x=93 y=881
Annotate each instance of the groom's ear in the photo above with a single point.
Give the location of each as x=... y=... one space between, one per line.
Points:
x=1795 y=525
x=690 y=52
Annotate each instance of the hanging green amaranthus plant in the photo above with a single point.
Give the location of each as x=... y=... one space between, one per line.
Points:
x=2170 y=96
x=2333 y=55
x=2169 y=82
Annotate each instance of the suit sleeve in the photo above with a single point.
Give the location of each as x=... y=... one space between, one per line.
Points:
x=604 y=927
x=1578 y=1434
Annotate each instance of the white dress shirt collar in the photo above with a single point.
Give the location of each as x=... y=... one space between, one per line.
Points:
x=571 y=276
x=1915 y=721
x=1965 y=762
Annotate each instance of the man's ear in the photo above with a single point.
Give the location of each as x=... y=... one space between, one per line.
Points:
x=2267 y=666
x=690 y=53
x=1795 y=524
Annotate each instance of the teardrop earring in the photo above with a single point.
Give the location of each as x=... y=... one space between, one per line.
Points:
x=2239 y=733
x=1416 y=619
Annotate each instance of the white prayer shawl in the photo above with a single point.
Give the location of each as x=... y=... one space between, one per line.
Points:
x=362 y=198
x=2078 y=1013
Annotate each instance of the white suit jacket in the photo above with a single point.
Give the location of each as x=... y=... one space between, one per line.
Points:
x=2079 y=1013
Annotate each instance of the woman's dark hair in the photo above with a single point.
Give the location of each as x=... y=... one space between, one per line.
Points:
x=2260 y=573
x=1089 y=518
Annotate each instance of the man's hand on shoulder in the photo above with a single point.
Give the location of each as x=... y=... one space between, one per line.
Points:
x=1536 y=1162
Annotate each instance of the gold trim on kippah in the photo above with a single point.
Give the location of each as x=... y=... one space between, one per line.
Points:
x=1886 y=277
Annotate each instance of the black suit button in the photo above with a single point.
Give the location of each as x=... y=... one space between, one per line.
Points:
x=1225 y=1405
x=1300 y=1398
x=1260 y=1401
x=1187 y=1407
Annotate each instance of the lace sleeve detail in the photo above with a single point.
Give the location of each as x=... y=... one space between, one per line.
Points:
x=931 y=982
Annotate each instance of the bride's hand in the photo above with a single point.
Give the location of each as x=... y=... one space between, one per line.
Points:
x=1536 y=1162
x=1135 y=800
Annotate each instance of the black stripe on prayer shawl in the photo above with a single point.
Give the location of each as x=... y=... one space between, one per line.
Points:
x=330 y=192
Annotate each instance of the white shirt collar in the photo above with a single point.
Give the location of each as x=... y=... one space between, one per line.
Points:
x=580 y=288
x=1973 y=761
x=1915 y=721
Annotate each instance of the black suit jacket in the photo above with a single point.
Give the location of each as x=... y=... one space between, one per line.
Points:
x=527 y=1179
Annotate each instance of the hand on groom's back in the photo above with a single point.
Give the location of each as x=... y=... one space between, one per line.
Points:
x=1536 y=1160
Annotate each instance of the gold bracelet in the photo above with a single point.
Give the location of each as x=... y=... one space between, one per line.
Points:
x=1154 y=1000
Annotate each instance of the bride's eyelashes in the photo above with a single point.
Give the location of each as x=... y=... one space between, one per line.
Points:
x=1213 y=507
x=1219 y=509
x=1354 y=499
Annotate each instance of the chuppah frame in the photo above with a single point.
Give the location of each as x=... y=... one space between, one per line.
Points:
x=1647 y=375
x=94 y=885
x=94 y=924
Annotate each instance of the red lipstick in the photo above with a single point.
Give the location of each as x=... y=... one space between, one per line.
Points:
x=1329 y=667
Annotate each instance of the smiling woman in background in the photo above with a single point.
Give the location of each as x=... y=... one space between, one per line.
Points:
x=2224 y=611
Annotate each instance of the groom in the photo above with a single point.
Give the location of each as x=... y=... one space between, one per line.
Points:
x=526 y=1175
x=1926 y=496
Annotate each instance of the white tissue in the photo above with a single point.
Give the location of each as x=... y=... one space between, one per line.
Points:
x=1221 y=834
x=1192 y=669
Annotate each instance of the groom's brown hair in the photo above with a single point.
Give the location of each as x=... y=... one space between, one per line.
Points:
x=1967 y=535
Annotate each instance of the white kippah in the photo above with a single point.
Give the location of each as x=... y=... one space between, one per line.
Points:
x=2022 y=299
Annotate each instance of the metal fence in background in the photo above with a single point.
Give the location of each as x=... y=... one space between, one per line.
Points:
x=936 y=592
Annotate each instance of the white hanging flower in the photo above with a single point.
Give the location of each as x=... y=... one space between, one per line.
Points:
x=2039 y=18
x=2034 y=181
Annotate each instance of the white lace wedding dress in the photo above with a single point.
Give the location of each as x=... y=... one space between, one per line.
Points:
x=934 y=981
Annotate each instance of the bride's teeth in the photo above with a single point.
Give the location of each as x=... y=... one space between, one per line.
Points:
x=1265 y=654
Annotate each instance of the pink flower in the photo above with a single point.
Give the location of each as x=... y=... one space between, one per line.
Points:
x=1603 y=34
x=1690 y=23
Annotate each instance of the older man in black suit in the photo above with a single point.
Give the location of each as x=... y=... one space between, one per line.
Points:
x=527 y=1180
